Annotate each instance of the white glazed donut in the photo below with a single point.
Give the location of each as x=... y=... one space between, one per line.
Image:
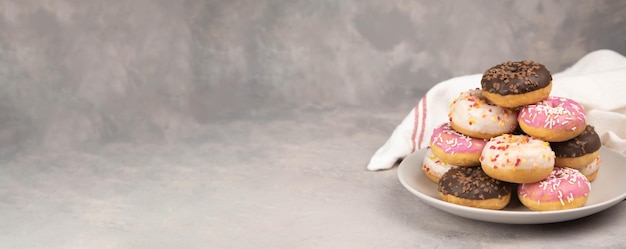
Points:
x=517 y=158
x=434 y=167
x=591 y=170
x=472 y=115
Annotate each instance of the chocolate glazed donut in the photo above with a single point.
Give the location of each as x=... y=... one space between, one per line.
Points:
x=577 y=152
x=470 y=186
x=513 y=84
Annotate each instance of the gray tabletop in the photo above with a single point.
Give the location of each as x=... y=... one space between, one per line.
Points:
x=249 y=124
x=289 y=181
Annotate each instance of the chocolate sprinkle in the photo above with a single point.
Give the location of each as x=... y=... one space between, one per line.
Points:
x=587 y=142
x=472 y=183
x=515 y=78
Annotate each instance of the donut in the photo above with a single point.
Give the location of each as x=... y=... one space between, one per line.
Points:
x=517 y=158
x=470 y=186
x=577 y=152
x=553 y=119
x=564 y=188
x=591 y=170
x=472 y=115
x=434 y=167
x=513 y=84
x=455 y=148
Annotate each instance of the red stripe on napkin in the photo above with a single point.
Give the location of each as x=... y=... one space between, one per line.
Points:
x=419 y=123
x=415 y=122
x=419 y=143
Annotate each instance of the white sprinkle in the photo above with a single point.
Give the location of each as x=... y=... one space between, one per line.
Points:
x=543 y=185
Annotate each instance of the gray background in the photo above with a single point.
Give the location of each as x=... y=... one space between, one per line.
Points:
x=249 y=123
x=78 y=73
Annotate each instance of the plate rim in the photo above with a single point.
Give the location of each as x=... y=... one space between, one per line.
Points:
x=497 y=215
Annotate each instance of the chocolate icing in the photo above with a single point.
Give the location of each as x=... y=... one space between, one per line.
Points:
x=515 y=78
x=587 y=142
x=518 y=131
x=472 y=183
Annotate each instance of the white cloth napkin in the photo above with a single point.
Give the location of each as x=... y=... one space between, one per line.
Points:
x=597 y=81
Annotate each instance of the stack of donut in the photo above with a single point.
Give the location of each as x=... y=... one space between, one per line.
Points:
x=511 y=137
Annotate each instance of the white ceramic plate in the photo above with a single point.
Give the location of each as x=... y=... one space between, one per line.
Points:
x=608 y=189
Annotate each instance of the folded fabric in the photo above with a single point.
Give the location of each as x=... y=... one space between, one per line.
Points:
x=597 y=81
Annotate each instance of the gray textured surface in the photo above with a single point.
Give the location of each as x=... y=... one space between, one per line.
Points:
x=248 y=124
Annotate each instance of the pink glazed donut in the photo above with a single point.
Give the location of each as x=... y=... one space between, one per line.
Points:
x=564 y=188
x=553 y=119
x=455 y=148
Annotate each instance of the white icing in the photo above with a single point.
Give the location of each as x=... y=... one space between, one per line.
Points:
x=472 y=112
x=523 y=152
x=591 y=168
x=435 y=166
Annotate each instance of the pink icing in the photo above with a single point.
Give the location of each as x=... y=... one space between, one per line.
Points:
x=554 y=113
x=451 y=141
x=563 y=185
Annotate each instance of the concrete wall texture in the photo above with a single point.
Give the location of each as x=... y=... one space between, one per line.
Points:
x=80 y=73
